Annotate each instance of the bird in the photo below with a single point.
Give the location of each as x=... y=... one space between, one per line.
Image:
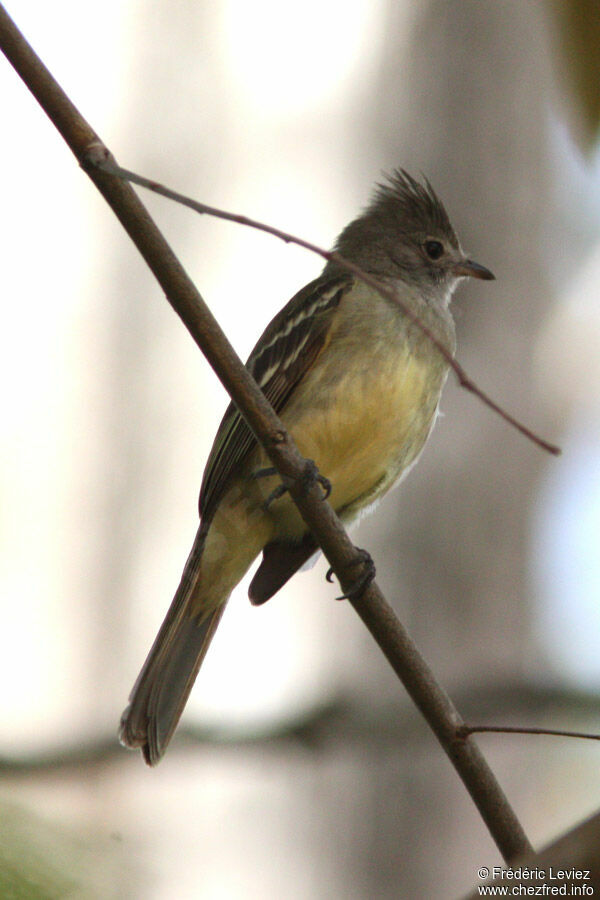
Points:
x=357 y=383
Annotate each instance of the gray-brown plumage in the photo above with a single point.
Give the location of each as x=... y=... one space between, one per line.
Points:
x=357 y=384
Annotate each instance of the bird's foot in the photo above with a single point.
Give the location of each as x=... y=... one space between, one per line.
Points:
x=360 y=584
x=309 y=476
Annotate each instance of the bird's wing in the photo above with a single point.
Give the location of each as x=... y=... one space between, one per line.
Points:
x=284 y=353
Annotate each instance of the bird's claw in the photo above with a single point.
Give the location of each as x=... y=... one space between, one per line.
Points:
x=312 y=474
x=309 y=476
x=364 y=579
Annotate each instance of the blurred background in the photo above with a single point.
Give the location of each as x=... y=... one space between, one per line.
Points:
x=300 y=769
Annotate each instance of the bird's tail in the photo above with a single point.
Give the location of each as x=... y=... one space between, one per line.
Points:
x=163 y=686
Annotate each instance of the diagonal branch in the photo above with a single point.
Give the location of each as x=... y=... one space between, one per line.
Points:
x=378 y=616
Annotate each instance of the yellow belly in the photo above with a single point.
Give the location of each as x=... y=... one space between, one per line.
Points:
x=367 y=433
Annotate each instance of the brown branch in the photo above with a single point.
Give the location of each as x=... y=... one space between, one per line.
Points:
x=392 y=638
x=464 y=380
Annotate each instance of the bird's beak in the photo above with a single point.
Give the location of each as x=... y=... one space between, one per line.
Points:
x=469 y=269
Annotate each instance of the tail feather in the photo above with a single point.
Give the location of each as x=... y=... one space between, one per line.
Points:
x=163 y=686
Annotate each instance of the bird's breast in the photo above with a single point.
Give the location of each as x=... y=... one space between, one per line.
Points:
x=366 y=426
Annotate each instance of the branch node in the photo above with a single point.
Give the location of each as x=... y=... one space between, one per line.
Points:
x=95 y=156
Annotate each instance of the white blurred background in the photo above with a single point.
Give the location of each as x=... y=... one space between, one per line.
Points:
x=304 y=773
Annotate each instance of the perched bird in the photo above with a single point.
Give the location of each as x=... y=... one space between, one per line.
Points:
x=357 y=384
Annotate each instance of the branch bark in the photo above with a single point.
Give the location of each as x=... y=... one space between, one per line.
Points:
x=378 y=616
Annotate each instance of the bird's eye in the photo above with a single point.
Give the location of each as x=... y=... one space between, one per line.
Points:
x=433 y=249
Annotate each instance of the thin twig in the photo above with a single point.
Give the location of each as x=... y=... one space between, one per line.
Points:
x=465 y=381
x=466 y=731
x=372 y=607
